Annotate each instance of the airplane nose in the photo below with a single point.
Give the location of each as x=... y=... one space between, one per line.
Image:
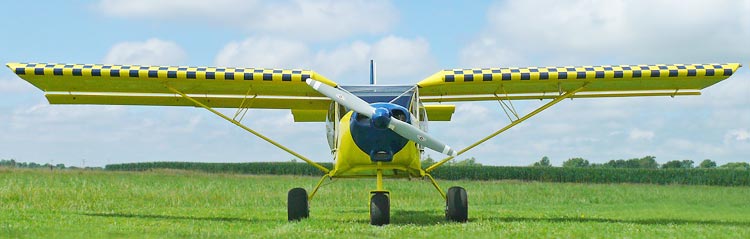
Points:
x=381 y=117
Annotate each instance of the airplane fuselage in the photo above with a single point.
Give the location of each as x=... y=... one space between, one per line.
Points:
x=362 y=145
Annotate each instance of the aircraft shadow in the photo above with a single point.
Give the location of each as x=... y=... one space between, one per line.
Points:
x=398 y=217
x=173 y=217
x=403 y=217
x=432 y=217
x=419 y=218
x=655 y=221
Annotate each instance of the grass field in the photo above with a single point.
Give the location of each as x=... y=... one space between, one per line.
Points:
x=176 y=204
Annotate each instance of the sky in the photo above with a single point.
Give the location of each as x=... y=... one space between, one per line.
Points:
x=409 y=40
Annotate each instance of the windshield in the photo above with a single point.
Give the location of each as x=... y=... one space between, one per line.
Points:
x=400 y=95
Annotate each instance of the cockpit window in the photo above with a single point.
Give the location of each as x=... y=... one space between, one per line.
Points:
x=400 y=95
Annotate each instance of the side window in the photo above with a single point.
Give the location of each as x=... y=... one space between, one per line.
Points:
x=331 y=113
x=422 y=118
x=331 y=126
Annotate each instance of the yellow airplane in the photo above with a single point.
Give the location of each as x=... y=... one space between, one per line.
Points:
x=374 y=131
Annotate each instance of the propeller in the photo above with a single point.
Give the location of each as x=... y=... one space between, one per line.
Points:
x=381 y=117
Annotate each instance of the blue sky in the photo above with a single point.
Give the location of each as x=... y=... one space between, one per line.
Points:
x=410 y=40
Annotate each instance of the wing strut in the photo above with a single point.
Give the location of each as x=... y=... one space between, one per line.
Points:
x=197 y=103
x=242 y=110
x=513 y=123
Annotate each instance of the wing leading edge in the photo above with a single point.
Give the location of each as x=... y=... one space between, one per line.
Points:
x=221 y=87
x=548 y=82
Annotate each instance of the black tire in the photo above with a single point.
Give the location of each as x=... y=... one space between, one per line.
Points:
x=380 y=209
x=297 y=207
x=456 y=205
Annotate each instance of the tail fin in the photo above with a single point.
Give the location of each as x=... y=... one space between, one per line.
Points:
x=372 y=72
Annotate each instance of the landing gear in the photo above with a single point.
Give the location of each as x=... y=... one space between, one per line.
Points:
x=380 y=208
x=456 y=205
x=297 y=206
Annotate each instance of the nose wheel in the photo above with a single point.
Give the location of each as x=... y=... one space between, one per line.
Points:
x=380 y=208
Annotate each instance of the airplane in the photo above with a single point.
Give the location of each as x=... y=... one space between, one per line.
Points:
x=374 y=131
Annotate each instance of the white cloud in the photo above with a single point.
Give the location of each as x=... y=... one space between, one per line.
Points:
x=638 y=134
x=586 y=32
x=150 y=52
x=400 y=60
x=478 y=116
x=608 y=32
x=349 y=59
x=14 y=85
x=398 y=57
x=739 y=134
x=117 y=134
x=489 y=52
x=110 y=123
x=688 y=149
x=307 y=20
x=518 y=33
x=265 y=52
x=43 y=113
x=175 y=8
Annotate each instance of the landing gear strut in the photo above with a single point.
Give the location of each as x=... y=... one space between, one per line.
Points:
x=380 y=203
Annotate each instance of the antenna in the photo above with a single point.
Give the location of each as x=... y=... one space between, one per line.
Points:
x=372 y=72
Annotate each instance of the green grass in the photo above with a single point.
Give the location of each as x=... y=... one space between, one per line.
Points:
x=177 y=204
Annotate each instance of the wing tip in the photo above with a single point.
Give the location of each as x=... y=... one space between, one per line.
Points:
x=734 y=67
x=12 y=65
x=432 y=80
x=15 y=67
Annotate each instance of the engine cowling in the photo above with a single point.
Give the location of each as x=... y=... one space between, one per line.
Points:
x=372 y=135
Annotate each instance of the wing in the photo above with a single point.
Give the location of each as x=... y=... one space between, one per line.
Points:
x=148 y=85
x=549 y=82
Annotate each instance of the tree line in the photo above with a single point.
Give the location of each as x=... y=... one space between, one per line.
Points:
x=647 y=162
x=615 y=171
x=11 y=163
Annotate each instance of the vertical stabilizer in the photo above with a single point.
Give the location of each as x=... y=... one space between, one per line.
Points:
x=372 y=72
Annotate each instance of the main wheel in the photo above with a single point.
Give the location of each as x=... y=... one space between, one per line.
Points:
x=297 y=207
x=456 y=205
x=380 y=209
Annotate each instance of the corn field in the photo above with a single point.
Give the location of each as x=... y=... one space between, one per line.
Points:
x=694 y=176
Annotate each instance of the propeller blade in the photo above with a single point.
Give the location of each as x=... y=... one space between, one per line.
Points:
x=342 y=97
x=360 y=106
x=413 y=133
